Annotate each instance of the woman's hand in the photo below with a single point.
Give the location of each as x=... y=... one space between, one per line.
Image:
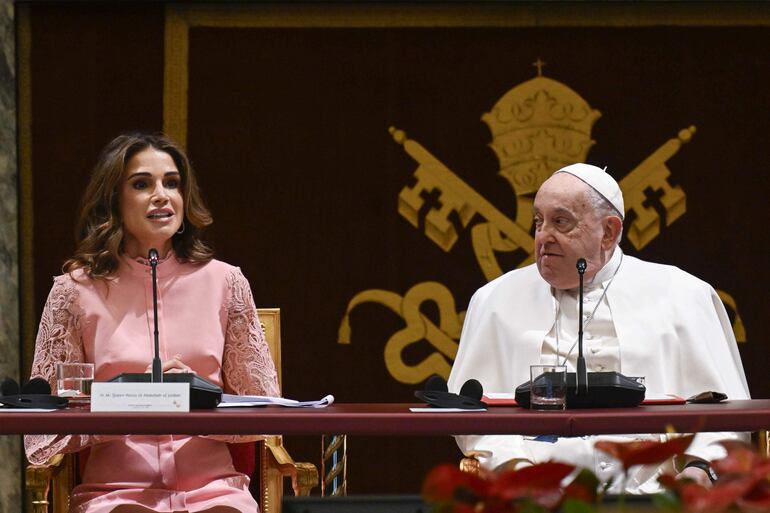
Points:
x=173 y=365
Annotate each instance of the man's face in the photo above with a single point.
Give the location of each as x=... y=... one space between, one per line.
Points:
x=567 y=228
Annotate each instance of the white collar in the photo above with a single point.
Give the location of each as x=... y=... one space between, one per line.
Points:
x=600 y=280
x=606 y=273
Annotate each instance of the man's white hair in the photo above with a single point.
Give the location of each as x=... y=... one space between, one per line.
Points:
x=603 y=208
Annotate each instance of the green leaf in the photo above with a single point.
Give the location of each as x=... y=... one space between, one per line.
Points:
x=666 y=501
x=529 y=506
x=575 y=506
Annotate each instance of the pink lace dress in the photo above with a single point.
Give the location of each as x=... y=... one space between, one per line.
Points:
x=206 y=314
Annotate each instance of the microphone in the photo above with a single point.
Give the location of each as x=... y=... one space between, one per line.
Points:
x=595 y=389
x=157 y=368
x=582 y=378
x=203 y=393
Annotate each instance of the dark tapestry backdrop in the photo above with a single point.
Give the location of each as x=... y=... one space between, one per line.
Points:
x=288 y=129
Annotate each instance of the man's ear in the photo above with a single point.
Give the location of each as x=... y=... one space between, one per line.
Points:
x=612 y=227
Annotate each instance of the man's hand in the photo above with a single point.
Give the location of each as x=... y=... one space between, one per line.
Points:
x=698 y=475
x=173 y=365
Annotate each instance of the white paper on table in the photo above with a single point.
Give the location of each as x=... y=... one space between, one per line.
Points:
x=445 y=410
x=243 y=401
x=25 y=410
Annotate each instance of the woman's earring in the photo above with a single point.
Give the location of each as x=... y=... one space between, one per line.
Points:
x=181 y=228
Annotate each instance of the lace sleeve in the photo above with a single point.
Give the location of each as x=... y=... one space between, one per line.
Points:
x=58 y=340
x=247 y=367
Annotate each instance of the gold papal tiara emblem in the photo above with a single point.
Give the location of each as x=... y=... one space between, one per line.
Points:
x=537 y=127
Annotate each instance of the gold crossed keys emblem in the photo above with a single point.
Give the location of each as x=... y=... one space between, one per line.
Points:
x=537 y=127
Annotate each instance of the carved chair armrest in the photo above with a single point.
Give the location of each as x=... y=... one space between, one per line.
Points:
x=470 y=465
x=304 y=476
x=275 y=464
x=57 y=475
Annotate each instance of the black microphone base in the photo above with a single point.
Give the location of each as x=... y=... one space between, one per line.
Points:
x=605 y=390
x=204 y=395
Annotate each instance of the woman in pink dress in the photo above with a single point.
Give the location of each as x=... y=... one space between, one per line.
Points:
x=143 y=194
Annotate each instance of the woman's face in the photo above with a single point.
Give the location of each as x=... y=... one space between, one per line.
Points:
x=151 y=203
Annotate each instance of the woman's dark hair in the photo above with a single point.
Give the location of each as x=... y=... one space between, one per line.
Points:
x=99 y=231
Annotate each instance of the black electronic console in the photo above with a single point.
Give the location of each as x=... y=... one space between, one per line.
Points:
x=203 y=393
x=605 y=390
x=592 y=389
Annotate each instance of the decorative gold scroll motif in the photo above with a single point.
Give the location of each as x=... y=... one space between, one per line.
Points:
x=537 y=127
x=488 y=240
x=418 y=327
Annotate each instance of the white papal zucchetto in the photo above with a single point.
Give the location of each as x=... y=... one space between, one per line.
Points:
x=600 y=181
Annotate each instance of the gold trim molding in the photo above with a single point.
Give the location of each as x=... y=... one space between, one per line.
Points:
x=175 y=74
x=471 y=14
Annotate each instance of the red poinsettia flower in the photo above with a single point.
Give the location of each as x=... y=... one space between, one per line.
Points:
x=540 y=483
x=741 y=458
x=583 y=488
x=698 y=499
x=447 y=483
x=757 y=500
x=645 y=452
x=744 y=481
x=508 y=491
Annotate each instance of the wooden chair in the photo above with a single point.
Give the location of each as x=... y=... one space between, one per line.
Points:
x=58 y=477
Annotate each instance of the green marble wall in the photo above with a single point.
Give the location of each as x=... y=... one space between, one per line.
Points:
x=10 y=446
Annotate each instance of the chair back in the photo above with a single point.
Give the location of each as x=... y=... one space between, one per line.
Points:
x=270 y=321
x=245 y=458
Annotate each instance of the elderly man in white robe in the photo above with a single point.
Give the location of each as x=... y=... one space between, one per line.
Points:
x=640 y=318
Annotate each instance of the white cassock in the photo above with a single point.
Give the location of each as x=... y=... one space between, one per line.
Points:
x=645 y=319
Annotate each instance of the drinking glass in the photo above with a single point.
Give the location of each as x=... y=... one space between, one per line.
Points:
x=73 y=380
x=548 y=387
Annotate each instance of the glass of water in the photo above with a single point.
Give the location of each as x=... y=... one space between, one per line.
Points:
x=73 y=381
x=548 y=387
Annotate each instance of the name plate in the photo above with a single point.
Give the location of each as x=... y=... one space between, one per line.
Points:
x=140 y=397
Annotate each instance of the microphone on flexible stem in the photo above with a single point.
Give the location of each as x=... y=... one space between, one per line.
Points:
x=606 y=389
x=582 y=374
x=157 y=367
x=203 y=393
